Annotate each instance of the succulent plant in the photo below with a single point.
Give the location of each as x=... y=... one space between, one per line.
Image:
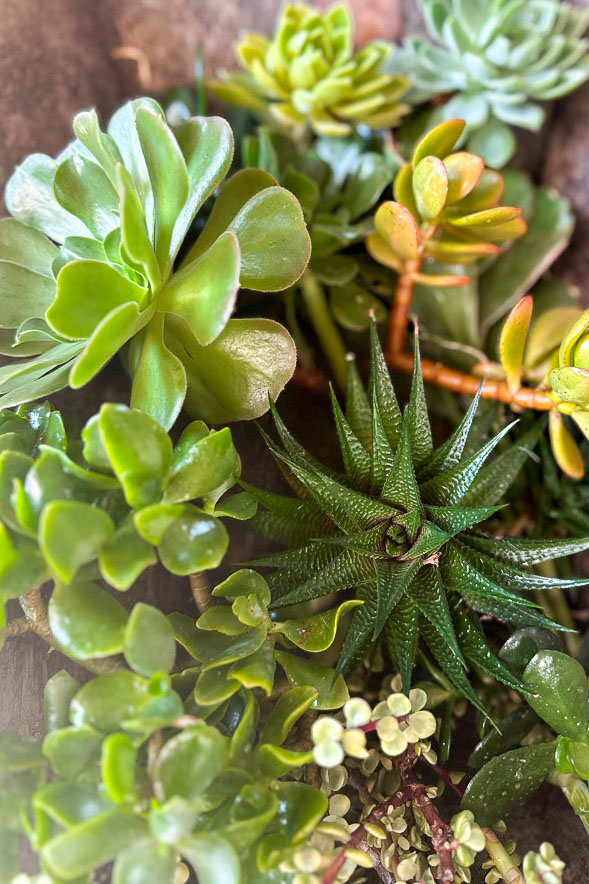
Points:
x=446 y=209
x=498 y=60
x=397 y=528
x=102 y=507
x=338 y=183
x=120 y=205
x=543 y=867
x=309 y=75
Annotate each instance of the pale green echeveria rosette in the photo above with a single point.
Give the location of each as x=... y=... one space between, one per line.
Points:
x=307 y=74
x=90 y=266
x=498 y=59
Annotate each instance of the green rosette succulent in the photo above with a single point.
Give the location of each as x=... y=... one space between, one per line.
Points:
x=445 y=210
x=397 y=529
x=309 y=75
x=119 y=205
x=497 y=59
x=569 y=379
x=108 y=505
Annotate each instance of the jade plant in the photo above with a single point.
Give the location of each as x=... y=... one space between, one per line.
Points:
x=93 y=242
x=411 y=601
x=495 y=62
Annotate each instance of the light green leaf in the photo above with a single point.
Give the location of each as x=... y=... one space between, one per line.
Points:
x=212 y=858
x=72 y=533
x=86 y=620
x=145 y=863
x=119 y=756
x=159 y=378
x=149 y=641
x=25 y=294
x=57 y=696
x=26 y=247
x=190 y=762
x=559 y=685
x=315 y=633
x=106 y=701
x=83 y=189
x=194 y=542
x=73 y=750
x=201 y=465
x=430 y=187
x=233 y=378
x=125 y=556
x=331 y=694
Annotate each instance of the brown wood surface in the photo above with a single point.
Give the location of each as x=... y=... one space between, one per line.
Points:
x=56 y=58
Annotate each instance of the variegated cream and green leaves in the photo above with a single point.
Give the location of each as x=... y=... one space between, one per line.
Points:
x=397 y=528
x=101 y=506
x=308 y=75
x=89 y=267
x=495 y=59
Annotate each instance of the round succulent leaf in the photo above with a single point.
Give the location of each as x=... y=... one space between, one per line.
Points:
x=566 y=452
x=86 y=620
x=235 y=376
x=220 y=618
x=214 y=687
x=286 y=712
x=355 y=308
x=144 y=863
x=139 y=450
x=68 y=804
x=94 y=452
x=331 y=693
x=300 y=809
x=243 y=583
x=506 y=781
x=214 y=649
x=275 y=761
x=560 y=696
x=72 y=750
x=242 y=506
x=256 y=671
x=201 y=464
x=524 y=644
x=72 y=533
x=513 y=341
x=81 y=849
x=403 y=189
x=494 y=142
x=511 y=731
x=579 y=757
x=159 y=377
x=464 y=171
x=397 y=227
x=86 y=293
x=430 y=187
x=381 y=252
x=486 y=193
x=273 y=238
x=195 y=541
x=149 y=643
x=125 y=556
x=316 y=633
x=571 y=384
x=482 y=223
x=26 y=247
x=190 y=762
x=118 y=759
x=171 y=821
x=212 y=857
x=106 y=701
x=203 y=292
x=152 y=522
x=438 y=142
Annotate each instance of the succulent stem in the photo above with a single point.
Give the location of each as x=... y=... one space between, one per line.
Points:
x=399 y=313
x=504 y=863
x=324 y=326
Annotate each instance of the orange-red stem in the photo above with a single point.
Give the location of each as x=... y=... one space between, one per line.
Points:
x=399 y=313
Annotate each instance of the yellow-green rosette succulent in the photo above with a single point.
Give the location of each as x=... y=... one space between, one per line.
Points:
x=569 y=381
x=308 y=73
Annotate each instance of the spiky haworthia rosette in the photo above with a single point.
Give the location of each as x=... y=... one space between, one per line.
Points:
x=309 y=73
x=499 y=58
x=396 y=528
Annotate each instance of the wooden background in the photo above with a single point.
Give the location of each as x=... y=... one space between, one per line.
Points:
x=60 y=56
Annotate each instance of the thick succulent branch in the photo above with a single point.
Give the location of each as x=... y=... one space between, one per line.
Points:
x=504 y=863
x=399 y=313
x=324 y=326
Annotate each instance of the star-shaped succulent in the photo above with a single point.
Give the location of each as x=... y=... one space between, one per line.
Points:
x=397 y=528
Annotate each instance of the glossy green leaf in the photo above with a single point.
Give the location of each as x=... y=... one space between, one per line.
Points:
x=152 y=522
x=86 y=620
x=464 y=171
x=243 y=583
x=233 y=378
x=125 y=556
x=560 y=696
x=524 y=644
x=134 y=234
x=72 y=533
x=256 y=671
x=87 y=291
x=571 y=384
x=212 y=858
x=438 y=142
x=300 y=808
x=331 y=693
x=430 y=187
x=511 y=730
x=26 y=293
x=83 y=189
x=276 y=761
x=119 y=756
x=506 y=781
x=73 y=750
x=513 y=341
x=108 y=700
x=318 y=632
x=203 y=461
x=59 y=691
x=71 y=803
x=159 y=377
x=149 y=641
x=193 y=542
x=190 y=762
x=85 y=847
x=145 y=863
